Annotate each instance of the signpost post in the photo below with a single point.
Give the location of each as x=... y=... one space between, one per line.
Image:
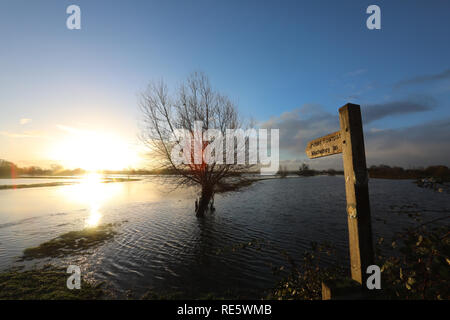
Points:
x=350 y=142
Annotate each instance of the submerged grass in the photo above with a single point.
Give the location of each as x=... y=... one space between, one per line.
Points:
x=59 y=183
x=235 y=186
x=48 y=283
x=71 y=242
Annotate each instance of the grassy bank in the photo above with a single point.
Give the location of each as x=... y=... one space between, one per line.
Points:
x=414 y=266
x=48 y=283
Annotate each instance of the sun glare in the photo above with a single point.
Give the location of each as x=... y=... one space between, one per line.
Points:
x=94 y=151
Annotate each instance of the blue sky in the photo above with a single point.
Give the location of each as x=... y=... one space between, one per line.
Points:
x=303 y=59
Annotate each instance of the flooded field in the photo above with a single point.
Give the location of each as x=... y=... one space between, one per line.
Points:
x=162 y=246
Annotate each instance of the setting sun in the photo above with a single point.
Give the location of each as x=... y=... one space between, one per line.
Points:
x=93 y=151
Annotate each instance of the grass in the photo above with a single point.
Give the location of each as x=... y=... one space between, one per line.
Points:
x=71 y=242
x=48 y=283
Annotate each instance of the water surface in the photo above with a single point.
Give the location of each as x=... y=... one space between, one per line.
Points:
x=162 y=246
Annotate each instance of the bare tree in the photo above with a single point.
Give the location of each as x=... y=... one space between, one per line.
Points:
x=163 y=117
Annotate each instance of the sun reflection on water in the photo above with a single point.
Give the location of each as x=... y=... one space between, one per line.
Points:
x=94 y=217
x=94 y=193
x=92 y=187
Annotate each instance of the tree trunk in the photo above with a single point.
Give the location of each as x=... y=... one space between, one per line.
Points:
x=205 y=198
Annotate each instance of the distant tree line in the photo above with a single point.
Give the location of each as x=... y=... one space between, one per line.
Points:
x=386 y=172
x=305 y=171
x=439 y=173
x=11 y=170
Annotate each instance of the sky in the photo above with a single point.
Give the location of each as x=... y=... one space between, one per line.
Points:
x=287 y=64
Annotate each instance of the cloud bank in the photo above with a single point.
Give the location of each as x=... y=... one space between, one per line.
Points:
x=418 y=145
x=375 y=112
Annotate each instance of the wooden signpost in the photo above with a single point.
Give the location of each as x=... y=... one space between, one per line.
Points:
x=325 y=146
x=350 y=142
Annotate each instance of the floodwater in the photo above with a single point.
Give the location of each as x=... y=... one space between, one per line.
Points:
x=162 y=246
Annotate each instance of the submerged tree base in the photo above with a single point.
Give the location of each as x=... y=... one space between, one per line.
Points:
x=48 y=283
x=71 y=242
